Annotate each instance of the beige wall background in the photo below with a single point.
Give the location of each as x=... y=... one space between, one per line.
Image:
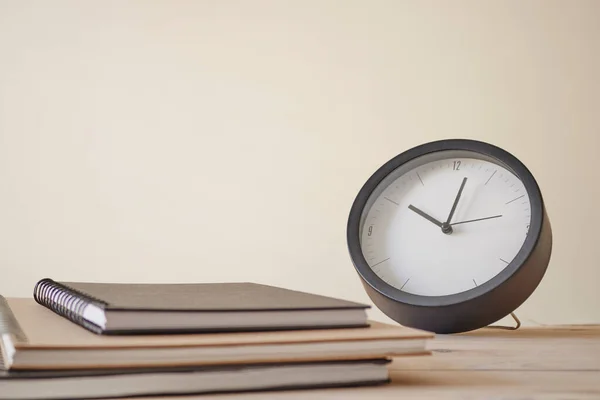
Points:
x=201 y=141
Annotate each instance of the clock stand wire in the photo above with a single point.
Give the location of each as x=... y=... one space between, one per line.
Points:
x=510 y=328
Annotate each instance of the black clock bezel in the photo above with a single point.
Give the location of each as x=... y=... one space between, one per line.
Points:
x=381 y=290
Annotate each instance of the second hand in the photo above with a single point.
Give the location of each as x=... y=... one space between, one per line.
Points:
x=475 y=220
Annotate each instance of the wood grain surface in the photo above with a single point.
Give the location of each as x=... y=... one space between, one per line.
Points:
x=560 y=362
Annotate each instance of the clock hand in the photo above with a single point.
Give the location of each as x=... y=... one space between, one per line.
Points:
x=475 y=220
x=425 y=215
x=462 y=186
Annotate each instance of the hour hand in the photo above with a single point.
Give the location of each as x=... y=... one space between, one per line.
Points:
x=425 y=215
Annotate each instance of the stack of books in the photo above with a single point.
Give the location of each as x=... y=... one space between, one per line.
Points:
x=76 y=340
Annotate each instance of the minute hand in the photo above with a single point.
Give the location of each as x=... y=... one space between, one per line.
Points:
x=475 y=220
x=462 y=186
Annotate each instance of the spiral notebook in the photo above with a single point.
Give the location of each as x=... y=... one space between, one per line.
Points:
x=114 y=308
x=34 y=338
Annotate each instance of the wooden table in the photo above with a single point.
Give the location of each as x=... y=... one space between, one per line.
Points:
x=530 y=363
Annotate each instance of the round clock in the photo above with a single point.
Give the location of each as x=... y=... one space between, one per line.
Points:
x=450 y=236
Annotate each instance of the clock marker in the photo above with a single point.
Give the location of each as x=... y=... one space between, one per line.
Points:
x=402 y=287
x=474 y=282
x=391 y=201
x=420 y=179
x=516 y=199
x=504 y=261
x=380 y=262
x=490 y=178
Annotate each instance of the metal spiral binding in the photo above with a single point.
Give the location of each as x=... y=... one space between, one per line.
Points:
x=63 y=300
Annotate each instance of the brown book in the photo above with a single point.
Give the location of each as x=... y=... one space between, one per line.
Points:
x=122 y=383
x=33 y=337
x=114 y=308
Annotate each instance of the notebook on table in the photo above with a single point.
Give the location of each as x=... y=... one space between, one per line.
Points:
x=86 y=384
x=113 y=308
x=35 y=338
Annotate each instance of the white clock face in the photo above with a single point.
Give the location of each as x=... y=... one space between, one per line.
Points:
x=408 y=243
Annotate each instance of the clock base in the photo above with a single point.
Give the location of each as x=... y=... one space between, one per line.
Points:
x=509 y=328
